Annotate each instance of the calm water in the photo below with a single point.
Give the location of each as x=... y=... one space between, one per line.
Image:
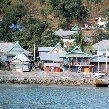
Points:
x=42 y=97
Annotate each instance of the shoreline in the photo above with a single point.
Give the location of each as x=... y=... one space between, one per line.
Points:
x=44 y=78
x=47 y=86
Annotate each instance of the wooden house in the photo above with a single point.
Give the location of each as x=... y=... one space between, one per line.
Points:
x=20 y=63
x=51 y=60
x=77 y=61
x=11 y=49
x=66 y=37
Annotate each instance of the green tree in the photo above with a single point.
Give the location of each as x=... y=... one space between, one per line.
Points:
x=69 y=9
x=80 y=39
x=94 y=1
x=11 y=15
x=34 y=31
x=3 y=5
x=14 y=13
x=83 y=41
x=106 y=13
x=49 y=39
x=99 y=35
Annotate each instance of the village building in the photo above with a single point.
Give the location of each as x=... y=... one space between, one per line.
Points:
x=9 y=50
x=66 y=37
x=100 y=59
x=50 y=57
x=20 y=63
x=77 y=61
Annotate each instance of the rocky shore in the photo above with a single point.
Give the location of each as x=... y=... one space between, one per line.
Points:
x=45 y=78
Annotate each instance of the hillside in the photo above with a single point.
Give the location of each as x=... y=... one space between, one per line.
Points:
x=38 y=9
x=95 y=10
x=29 y=21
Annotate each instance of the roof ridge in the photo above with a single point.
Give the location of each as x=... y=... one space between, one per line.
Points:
x=58 y=44
x=17 y=42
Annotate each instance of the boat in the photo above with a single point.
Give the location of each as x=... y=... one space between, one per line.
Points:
x=101 y=81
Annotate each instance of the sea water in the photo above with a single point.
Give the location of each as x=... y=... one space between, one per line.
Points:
x=14 y=96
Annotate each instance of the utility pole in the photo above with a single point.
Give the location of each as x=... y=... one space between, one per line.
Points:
x=98 y=58
x=106 y=61
x=34 y=51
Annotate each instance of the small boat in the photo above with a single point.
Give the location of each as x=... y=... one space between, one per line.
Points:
x=101 y=81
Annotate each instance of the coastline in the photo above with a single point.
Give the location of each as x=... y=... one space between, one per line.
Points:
x=44 y=78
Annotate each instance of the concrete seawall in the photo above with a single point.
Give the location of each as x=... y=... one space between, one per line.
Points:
x=41 y=77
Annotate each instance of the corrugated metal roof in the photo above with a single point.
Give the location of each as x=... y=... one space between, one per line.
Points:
x=17 y=49
x=12 y=48
x=6 y=46
x=46 y=49
x=78 y=55
x=50 y=57
x=21 y=57
x=101 y=59
x=61 y=32
x=103 y=45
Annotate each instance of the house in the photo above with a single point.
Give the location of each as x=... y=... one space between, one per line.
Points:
x=20 y=63
x=11 y=49
x=50 y=56
x=100 y=57
x=77 y=61
x=66 y=36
